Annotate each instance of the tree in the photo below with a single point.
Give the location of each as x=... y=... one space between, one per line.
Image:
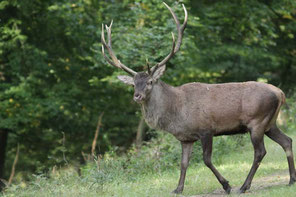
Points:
x=54 y=81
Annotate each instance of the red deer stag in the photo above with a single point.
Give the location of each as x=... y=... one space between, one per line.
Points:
x=199 y=111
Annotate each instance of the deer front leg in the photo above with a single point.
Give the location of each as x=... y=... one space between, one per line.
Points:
x=207 y=142
x=186 y=153
x=259 y=153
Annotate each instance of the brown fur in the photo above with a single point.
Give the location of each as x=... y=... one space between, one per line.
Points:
x=199 y=111
x=192 y=108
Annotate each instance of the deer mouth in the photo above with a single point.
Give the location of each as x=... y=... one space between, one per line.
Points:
x=139 y=98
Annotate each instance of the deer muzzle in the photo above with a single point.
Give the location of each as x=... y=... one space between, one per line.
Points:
x=139 y=97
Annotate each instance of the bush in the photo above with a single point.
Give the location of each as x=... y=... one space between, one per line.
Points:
x=161 y=154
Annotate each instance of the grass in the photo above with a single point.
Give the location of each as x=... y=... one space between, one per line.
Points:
x=271 y=178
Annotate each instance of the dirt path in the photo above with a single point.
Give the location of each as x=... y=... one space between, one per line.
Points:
x=280 y=178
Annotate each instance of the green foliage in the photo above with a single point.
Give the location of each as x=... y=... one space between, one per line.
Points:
x=242 y=40
x=54 y=82
x=157 y=156
x=127 y=176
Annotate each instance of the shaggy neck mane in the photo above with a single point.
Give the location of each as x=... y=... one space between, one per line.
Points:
x=161 y=98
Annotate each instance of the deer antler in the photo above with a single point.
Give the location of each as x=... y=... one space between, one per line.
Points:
x=115 y=62
x=176 y=47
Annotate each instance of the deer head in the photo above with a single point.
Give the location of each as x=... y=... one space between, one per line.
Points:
x=144 y=81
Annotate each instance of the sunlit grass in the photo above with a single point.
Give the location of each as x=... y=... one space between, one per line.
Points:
x=271 y=179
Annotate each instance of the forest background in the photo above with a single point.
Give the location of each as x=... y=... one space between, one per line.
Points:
x=54 y=82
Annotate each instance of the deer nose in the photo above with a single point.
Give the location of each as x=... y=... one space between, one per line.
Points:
x=138 y=97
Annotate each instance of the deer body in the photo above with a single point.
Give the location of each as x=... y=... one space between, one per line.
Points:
x=191 y=109
x=199 y=111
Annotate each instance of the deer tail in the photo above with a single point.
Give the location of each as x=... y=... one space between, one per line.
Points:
x=283 y=97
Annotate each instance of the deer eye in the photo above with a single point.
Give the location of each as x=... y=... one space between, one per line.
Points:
x=149 y=83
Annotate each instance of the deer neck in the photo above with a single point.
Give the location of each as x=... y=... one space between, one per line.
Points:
x=156 y=108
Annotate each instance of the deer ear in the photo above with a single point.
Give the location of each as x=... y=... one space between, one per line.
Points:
x=158 y=73
x=126 y=79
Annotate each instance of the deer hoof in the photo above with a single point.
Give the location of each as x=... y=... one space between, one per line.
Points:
x=241 y=191
x=292 y=181
x=244 y=188
x=177 y=191
x=227 y=188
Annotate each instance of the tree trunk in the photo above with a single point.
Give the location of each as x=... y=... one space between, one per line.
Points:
x=140 y=133
x=3 y=142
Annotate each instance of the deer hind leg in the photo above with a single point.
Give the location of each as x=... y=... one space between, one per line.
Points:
x=186 y=153
x=259 y=153
x=286 y=143
x=207 y=142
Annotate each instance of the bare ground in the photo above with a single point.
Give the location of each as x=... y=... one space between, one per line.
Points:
x=277 y=179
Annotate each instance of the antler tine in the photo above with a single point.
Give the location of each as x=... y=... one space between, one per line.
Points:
x=115 y=62
x=105 y=45
x=185 y=18
x=109 y=34
x=106 y=58
x=170 y=54
x=109 y=47
x=180 y=30
x=154 y=68
x=174 y=15
x=148 y=65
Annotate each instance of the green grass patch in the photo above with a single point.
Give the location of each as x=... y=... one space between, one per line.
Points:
x=154 y=171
